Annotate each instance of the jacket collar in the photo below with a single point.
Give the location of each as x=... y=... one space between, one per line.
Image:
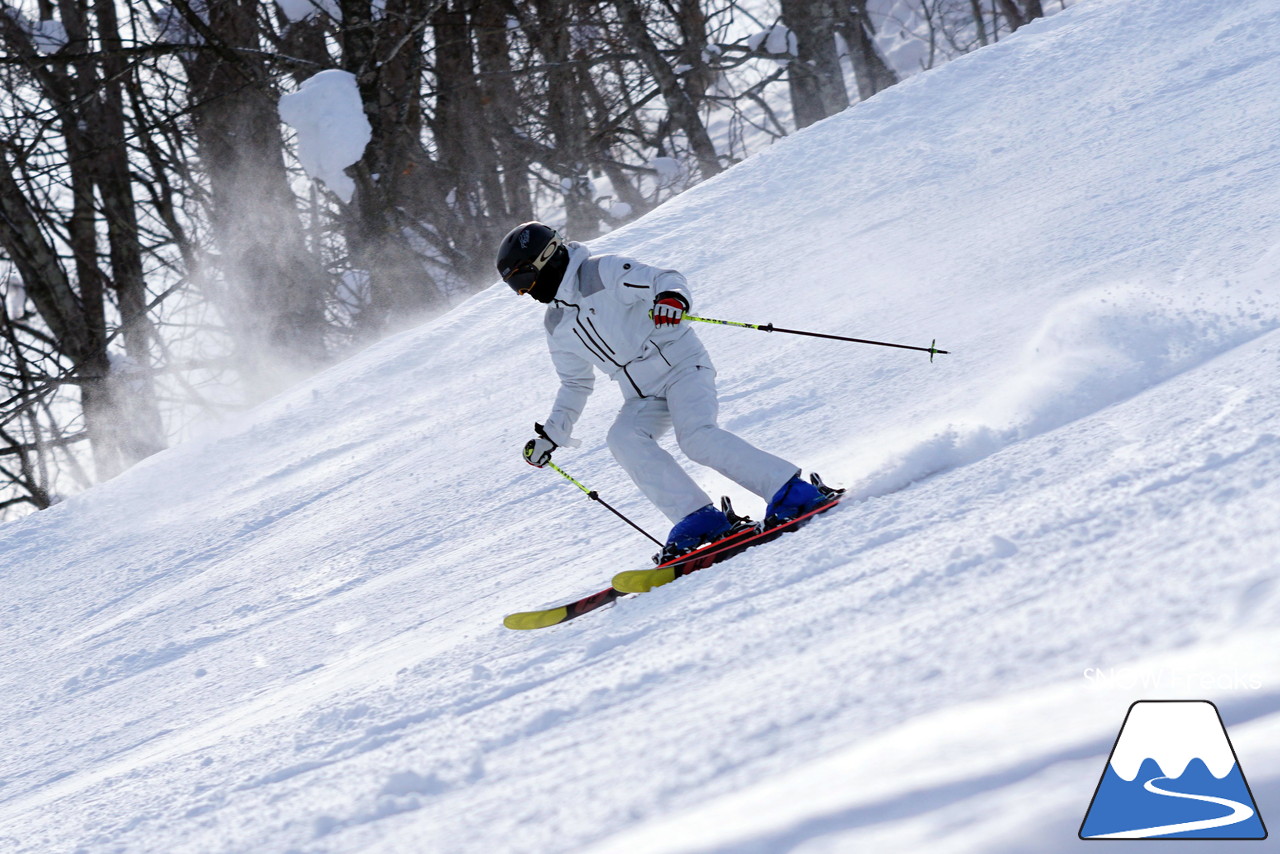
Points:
x=568 y=290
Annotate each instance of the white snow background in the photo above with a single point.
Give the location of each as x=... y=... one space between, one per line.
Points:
x=288 y=639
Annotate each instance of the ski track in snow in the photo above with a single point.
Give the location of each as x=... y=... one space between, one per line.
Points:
x=287 y=637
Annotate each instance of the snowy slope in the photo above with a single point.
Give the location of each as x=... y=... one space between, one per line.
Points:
x=288 y=638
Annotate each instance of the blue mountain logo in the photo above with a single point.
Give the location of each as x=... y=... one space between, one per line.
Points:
x=1173 y=774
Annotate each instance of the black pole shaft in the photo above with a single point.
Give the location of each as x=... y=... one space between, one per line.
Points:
x=595 y=496
x=930 y=350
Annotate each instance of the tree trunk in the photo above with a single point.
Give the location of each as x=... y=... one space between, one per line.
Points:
x=395 y=180
x=468 y=159
x=1012 y=14
x=503 y=110
x=683 y=111
x=551 y=34
x=814 y=75
x=979 y=21
x=274 y=287
x=691 y=19
x=870 y=70
x=139 y=427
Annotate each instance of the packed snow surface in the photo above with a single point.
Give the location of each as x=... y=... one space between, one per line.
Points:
x=288 y=637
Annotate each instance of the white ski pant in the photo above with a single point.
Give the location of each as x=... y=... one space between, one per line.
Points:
x=691 y=407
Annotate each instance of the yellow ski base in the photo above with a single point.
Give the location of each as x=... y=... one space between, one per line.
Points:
x=643 y=580
x=535 y=619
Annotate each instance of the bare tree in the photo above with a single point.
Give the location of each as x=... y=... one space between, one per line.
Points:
x=1018 y=16
x=269 y=285
x=162 y=251
x=814 y=74
x=871 y=72
x=74 y=300
x=680 y=104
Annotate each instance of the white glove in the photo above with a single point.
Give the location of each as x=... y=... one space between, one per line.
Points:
x=537 y=451
x=668 y=310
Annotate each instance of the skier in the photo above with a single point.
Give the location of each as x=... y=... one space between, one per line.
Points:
x=624 y=317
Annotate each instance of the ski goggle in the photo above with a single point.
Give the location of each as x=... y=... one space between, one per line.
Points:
x=523 y=276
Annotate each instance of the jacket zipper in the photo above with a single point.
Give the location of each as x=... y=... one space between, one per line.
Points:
x=597 y=349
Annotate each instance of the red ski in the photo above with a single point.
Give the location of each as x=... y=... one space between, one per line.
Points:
x=744 y=536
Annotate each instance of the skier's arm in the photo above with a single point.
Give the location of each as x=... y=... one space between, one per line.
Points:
x=577 y=379
x=634 y=282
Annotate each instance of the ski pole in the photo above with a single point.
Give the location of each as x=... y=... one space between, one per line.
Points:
x=932 y=349
x=595 y=496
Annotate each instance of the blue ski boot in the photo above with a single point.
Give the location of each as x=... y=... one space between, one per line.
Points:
x=699 y=527
x=795 y=498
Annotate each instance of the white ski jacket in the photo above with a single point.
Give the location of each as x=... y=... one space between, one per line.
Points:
x=600 y=319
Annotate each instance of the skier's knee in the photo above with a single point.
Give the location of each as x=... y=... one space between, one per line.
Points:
x=699 y=444
x=623 y=436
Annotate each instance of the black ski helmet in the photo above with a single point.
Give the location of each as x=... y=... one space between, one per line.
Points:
x=532 y=259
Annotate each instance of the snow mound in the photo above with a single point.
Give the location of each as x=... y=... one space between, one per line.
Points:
x=328 y=115
x=1093 y=350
